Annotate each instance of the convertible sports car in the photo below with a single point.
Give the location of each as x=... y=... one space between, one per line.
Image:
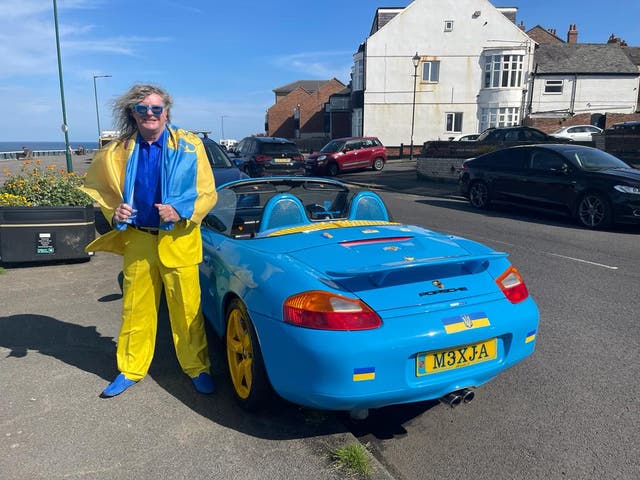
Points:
x=322 y=298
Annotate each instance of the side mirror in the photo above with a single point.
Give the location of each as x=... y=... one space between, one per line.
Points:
x=237 y=162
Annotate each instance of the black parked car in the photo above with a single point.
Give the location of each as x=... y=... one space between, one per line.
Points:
x=517 y=136
x=589 y=184
x=268 y=156
x=224 y=169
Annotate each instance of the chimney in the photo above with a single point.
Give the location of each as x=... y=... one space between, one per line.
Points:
x=572 y=34
x=614 y=39
x=522 y=26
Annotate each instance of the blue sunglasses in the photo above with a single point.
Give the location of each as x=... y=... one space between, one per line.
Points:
x=143 y=109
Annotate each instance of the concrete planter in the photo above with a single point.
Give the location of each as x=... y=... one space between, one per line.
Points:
x=45 y=234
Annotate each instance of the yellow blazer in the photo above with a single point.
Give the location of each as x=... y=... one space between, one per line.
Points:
x=181 y=245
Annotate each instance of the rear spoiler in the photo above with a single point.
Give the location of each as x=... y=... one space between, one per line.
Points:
x=377 y=274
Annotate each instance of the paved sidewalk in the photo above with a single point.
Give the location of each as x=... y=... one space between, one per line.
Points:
x=57 y=352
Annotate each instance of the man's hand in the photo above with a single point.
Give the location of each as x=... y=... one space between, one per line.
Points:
x=167 y=213
x=122 y=213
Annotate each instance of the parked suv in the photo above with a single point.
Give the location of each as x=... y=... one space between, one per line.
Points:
x=347 y=154
x=268 y=156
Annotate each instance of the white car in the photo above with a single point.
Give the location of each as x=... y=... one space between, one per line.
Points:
x=577 y=133
x=470 y=137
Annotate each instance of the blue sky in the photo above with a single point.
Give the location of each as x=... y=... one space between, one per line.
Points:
x=220 y=60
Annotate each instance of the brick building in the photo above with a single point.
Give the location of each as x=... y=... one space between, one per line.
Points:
x=299 y=109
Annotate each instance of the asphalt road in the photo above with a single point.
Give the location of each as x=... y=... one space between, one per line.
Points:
x=571 y=410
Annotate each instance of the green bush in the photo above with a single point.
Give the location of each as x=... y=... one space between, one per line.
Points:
x=43 y=187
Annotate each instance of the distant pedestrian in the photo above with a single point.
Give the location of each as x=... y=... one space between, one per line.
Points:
x=156 y=185
x=26 y=153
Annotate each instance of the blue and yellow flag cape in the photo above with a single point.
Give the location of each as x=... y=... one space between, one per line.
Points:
x=187 y=185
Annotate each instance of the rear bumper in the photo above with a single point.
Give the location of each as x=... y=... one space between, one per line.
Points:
x=320 y=369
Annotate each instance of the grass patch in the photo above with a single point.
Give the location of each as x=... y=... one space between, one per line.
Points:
x=2 y=270
x=352 y=458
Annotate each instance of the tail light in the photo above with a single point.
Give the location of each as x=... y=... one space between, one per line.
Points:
x=298 y=158
x=327 y=311
x=512 y=285
x=263 y=158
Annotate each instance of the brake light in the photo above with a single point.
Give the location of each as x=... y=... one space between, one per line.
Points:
x=327 y=311
x=512 y=285
x=263 y=158
x=299 y=158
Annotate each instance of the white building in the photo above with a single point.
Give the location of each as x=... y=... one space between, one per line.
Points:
x=571 y=79
x=471 y=72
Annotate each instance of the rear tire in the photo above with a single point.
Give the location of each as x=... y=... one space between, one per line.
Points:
x=594 y=211
x=378 y=164
x=479 y=195
x=248 y=375
x=332 y=169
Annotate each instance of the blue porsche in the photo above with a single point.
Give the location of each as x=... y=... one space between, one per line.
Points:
x=323 y=299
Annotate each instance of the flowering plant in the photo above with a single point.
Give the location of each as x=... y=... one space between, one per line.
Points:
x=37 y=186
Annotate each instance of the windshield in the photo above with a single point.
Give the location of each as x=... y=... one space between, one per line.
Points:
x=239 y=208
x=217 y=157
x=333 y=146
x=594 y=159
x=278 y=148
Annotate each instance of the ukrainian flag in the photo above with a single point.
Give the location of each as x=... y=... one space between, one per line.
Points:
x=467 y=321
x=364 y=373
x=531 y=336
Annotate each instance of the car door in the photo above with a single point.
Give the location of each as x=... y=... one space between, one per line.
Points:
x=349 y=158
x=549 y=180
x=505 y=174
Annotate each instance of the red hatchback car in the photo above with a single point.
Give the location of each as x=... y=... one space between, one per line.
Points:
x=347 y=154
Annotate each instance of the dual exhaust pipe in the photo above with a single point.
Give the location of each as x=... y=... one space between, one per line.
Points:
x=458 y=397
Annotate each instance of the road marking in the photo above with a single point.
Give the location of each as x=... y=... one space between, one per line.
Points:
x=582 y=261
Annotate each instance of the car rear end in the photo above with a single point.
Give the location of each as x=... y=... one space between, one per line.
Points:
x=399 y=327
x=278 y=157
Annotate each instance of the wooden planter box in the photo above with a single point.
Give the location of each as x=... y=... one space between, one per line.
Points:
x=44 y=234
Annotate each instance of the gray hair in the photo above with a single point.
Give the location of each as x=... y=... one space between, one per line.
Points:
x=123 y=118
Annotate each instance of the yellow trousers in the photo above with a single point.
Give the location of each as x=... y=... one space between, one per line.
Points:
x=144 y=276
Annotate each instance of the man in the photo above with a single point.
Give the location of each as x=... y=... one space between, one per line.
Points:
x=156 y=185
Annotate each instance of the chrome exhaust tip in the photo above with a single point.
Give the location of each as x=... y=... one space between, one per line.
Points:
x=467 y=395
x=451 y=399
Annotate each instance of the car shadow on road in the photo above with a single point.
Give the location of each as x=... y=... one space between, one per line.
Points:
x=525 y=215
x=280 y=420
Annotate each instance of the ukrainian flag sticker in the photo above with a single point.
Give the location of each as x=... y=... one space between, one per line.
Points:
x=364 y=373
x=460 y=323
x=531 y=336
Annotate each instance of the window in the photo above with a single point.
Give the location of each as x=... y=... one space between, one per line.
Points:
x=431 y=71
x=448 y=25
x=553 y=86
x=453 y=122
x=499 y=117
x=358 y=74
x=503 y=71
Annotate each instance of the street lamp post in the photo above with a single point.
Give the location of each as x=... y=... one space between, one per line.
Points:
x=65 y=128
x=222 y=126
x=416 y=61
x=95 y=94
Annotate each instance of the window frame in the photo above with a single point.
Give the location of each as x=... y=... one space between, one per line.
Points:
x=553 y=87
x=503 y=70
x=453 y=120
x=448 y=25
x=430 y=63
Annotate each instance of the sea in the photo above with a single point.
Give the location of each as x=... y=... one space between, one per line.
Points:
x=38 y=146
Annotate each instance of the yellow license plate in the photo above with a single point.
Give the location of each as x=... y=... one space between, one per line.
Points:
x=282 y=160
x=458 y=357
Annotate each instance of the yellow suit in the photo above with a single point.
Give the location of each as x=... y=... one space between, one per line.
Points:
x=150 y=261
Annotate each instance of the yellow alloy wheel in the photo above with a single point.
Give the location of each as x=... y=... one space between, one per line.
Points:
x=239 y=353
x=244 y=358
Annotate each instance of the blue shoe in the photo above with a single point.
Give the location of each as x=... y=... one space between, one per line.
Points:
x=203 y=383
x=119 y=385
